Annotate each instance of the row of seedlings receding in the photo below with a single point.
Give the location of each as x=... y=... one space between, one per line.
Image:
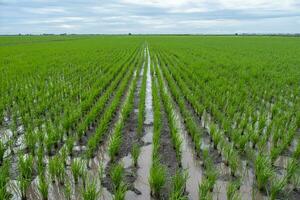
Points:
x=211 y=173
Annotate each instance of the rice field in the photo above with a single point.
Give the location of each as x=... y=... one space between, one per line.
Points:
x=149 y=117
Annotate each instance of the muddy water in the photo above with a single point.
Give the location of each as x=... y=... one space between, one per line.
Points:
x=189 y=161
x=144 y=161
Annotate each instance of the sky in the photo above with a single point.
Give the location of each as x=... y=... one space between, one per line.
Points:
x=149 y=16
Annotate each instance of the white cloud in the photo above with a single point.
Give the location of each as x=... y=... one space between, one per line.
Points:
x=159 y=16
x=45 y=10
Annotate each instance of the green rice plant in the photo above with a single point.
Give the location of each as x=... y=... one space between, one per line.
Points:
x=277 y=186
x=57 y=169
x=157 y=178
x=135 y=152
x=4 y=178
x=263 y=171
x=76 y=168
x=101 y=171
x=117 y=175
x=120 y=192
x=2 y=151
x=90 y=192
x=84 y=176
x=233 y=163
x=70 y=145
x=115 y=142
x=211 y=175
x=198 y=143
x=292 y=168
x=30 y=141
x=296 y=154
x=178 y=186
x=43 y=187
x=40 y=161
x=25 y=173
x=232 y=190
x=68 y=190
x=204 y=190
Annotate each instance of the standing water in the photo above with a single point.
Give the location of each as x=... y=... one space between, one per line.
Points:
x=144 y=161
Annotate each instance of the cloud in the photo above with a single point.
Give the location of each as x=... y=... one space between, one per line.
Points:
x=148 y=16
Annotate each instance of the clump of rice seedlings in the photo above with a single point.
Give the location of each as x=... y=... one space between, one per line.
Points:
x=4 y=178
x=157 y=178
x=70 y=145
x=76 y=168
x=117 y=175
x=90 y=192
x=292 y=167
x=211 y=175
x=101 y=171
x=198 y=143
x=178 y=186
x=120 y=192
x=84 y=176
x=216 y=136
x=233 y=163
x=296 y=153
x=30 y=141
x=64 y=156
x=275 y=152
x=204 y=190
x=25 y=173
x=232 y=190
x=263 y=171
x=40 y=162
x=2 y=151
x=43 y=187
x=276 y=187
x=67 y=190
x=115 y=142
x=57 y=169
x=135 y=152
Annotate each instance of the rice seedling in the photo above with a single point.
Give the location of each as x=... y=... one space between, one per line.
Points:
x=276 y=187
x=43 y=187
x=157 y=178
x=232 y=191
x=115 y=142
x=101 y=171
x=179 y=185
x=76 y=168
x=263 y=171
x=90 y=192
x=25 y=173
x=120 y=192
x=2 y=150
x=57 y=169
x=135 y=153
x=4 y=178
x=204 y=190
x=117 y=175
x=292 y=168
x=68 y=190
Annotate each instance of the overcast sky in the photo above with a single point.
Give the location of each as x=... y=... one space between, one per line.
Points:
x=149 y=16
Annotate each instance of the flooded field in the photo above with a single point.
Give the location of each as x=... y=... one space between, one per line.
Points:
x=150 y=118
